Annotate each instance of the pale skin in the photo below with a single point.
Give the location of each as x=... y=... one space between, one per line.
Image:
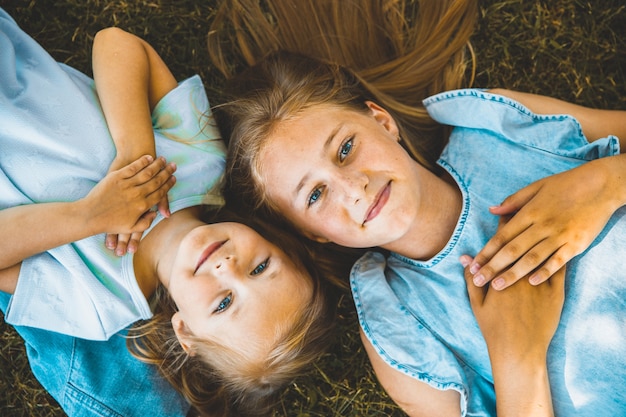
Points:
x=352 y=183
x=139 y=69
x=550 y=227
x=224 y=277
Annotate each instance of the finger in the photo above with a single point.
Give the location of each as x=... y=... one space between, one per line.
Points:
x=163 y=207
x=156 y=195
x=144 y=222
x=133 y=243
x=539 y=262
x=501 y=240
x=557 y=285
x=110 y=241
x=551 y=266
x=503 y=250
x=557 y=280
x=122 y=242
x=157 y=171
x=515 y=201
x=136 y=166
x=476 y=294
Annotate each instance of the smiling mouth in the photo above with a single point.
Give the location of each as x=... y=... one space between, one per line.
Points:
x=378 y=204
x=207 y=253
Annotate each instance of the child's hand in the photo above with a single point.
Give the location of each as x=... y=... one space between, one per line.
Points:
x=120 y=203
x=549 y=222
x=128 y=242
x=518 y=325
x=520 y=321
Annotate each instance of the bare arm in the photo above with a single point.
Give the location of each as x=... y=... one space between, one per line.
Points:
x=130 y=78
x=518 y=325
x=115 y=204
x=416 y=398
x=558 y=217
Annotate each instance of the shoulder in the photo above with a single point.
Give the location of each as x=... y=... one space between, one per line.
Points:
x=415 y=397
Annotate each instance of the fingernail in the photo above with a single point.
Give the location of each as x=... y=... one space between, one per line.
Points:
x=479 y=280
x=464 y=261
x=534 y=280
x=474 y=268
x=498 y=283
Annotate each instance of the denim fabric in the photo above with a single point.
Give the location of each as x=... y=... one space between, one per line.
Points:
x=417 y=313
x=94 y=378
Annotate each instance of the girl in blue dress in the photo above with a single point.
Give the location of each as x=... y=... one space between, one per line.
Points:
x=339 y=152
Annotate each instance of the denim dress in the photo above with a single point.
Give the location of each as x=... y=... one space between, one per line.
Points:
x=417 y=314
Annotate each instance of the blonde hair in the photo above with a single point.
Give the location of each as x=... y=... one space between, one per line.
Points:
x=311 y=52
x=219 y=381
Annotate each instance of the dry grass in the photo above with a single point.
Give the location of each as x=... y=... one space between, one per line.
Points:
x=571 y=49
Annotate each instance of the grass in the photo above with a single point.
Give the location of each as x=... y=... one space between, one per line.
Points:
x=570 y=49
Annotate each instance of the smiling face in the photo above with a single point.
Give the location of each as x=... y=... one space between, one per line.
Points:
x=341 y=175
x=234 y=287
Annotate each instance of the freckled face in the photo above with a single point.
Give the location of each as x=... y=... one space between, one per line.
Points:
x=341 y=176
x=233 y=286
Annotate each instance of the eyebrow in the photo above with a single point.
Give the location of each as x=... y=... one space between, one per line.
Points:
x=327 y=143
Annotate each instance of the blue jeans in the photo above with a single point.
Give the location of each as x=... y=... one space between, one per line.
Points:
x=94 y=378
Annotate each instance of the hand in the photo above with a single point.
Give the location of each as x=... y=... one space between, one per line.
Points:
x=521 y=320
x=128 y=242
x=547 y=224
x=120 y=203
x=518 y=325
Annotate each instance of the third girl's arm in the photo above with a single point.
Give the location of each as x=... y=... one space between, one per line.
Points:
x=130 y=78
x=558 y=217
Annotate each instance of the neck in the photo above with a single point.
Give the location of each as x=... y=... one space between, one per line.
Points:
x=436 y=221
x=155 y=255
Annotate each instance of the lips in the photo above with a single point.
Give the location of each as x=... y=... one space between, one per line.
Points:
x=207 y=253
x=378 y=204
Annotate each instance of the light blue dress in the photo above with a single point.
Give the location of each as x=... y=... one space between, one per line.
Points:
x=417 y=313
x=55 y=146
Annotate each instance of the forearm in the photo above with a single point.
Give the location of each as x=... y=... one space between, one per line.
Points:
x=130 y=79
x=522 y=388
x=31 y=229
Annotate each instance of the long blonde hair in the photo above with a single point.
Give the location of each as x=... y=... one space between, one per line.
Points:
x=299 y=54
x=218 y=381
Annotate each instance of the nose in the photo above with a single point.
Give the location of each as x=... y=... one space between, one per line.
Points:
x=225 y=265
x=352 y=185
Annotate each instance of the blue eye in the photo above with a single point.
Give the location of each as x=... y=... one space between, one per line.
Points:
x=345 y=149
x=315 y=195
x=224 y=304
x=260 y=267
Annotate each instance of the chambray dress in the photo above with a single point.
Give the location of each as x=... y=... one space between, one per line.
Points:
x=417 y=314
x=55 y=146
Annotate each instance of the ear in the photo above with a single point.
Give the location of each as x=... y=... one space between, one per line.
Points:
x=383 y=117
x=182 y=333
